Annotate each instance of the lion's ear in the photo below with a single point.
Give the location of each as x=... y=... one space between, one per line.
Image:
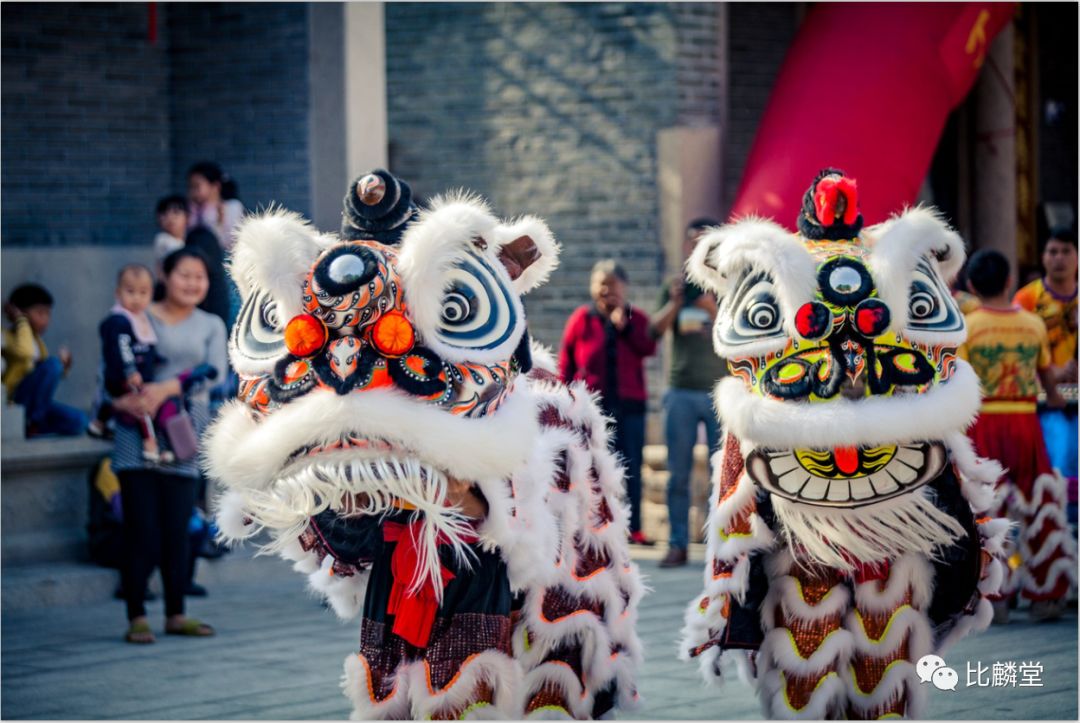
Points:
x=528 y=251
x=273 y=253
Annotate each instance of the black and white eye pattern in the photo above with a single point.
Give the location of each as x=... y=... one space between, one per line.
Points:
x=478 y=311
x=259 y=334
x=751 y=313
x=930 y=305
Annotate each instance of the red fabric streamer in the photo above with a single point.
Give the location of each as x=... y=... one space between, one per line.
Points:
x=898 y=69
x=413 y=611
x=151 y=23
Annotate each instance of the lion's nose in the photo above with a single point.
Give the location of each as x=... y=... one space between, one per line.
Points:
x=853 y=390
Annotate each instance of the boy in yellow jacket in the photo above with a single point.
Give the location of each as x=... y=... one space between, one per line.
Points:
x=30 y=374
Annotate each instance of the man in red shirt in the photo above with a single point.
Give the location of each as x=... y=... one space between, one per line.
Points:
x=605 y=344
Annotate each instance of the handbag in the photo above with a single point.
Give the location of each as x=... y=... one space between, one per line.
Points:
x=180 y=431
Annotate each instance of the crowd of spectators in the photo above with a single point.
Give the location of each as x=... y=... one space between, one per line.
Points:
x=163 y=368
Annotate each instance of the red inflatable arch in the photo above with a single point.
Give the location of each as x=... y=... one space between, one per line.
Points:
x=867 y=88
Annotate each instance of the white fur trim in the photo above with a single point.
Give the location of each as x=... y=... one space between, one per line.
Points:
x=978 y=475
x=899 y=681
x=558 y=675
x=842 y=422
x=345 y=594
x=245 y=452
x=784 y=591
x=230 y=517
x=543 y=358
x=836 y=537
x=274 y=251
x=1047 y=488
x=994 y=533
x=492 y=667
x=356 y=684
x=898 y=244
x=907 y=623
x=827 y=701
x=1062 y=567
x=908 y=572
x=779 y=646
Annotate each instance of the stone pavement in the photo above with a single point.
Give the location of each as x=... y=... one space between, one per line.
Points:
x=278 y=655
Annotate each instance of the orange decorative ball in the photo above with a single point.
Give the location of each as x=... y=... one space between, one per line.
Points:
x=393 y=335
x=305 y=334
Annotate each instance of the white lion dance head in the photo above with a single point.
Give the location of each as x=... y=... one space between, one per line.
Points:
x=845 y=379
x=843 y=498
x=381 y=363
x=380 y=370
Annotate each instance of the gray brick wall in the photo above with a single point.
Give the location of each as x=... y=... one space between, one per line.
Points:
x=759 y=35
x=554 y=109
x=700 y=41
x=85 y=143
x=239 y=92
x=98 y=123
x=550 y=109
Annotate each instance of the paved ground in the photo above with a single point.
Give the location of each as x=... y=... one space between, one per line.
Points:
x=278 y=656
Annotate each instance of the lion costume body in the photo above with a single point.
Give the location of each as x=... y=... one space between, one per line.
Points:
x=844 y=541
x=378 y=370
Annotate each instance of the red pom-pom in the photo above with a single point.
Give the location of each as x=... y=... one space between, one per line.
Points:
x=393 y=335
x=305 y=334
x=812 y=320
x=827 y=197
x=825 y=201
x=847 y=187
x=871 y=318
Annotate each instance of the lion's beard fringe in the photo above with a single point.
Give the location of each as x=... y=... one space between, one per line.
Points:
x=287 y=504
x=843 y=538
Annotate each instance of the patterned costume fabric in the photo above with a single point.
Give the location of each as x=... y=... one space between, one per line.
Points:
x=1006 y=347
x=845 y=539
x=1059 y=314
x=381 y=368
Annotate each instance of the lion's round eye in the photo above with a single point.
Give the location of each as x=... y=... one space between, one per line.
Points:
x=930 y=306
x=457 y=306
x=258 y=332
x=761 y=315
x=750 y=313
x=923 y=305
x=478 y=311
x=270 y=316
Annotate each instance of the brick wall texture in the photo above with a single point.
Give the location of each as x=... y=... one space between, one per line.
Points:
x=85 y=116
x=98 y=122
x=554 y=109
x=759 y=35
x=239 y=96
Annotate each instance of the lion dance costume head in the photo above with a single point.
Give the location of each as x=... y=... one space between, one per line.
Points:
x=842 y=540
x=383 y=368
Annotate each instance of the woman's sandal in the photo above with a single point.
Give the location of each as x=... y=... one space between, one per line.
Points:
x=191 y=627
x=140 y=634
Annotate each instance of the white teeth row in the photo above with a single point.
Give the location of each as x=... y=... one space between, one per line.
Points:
x=906 y=469
x=806 y=486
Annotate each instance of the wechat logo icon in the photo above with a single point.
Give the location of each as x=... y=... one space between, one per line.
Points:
x=932 y=669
